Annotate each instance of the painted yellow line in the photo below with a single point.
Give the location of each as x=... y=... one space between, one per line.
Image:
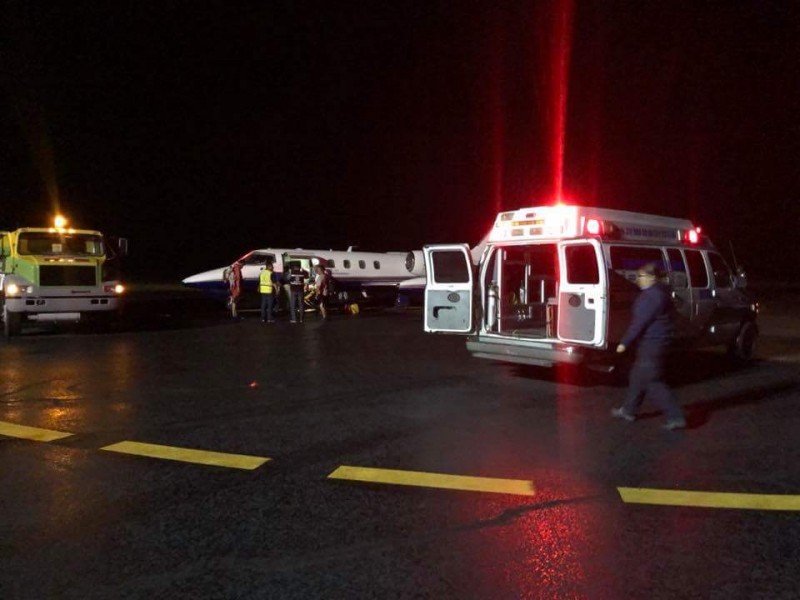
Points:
x=202 y=457
x=31 y=433
x=709 y=499
x=435 y=480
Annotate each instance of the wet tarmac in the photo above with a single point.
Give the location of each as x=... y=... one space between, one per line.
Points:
x=362 y=458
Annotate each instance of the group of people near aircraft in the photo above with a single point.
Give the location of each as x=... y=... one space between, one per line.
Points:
x=303 y=290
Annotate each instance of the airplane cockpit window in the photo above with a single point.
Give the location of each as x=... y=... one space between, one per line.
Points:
x=258 y=259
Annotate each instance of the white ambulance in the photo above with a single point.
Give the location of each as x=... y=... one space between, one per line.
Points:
x=555 y=284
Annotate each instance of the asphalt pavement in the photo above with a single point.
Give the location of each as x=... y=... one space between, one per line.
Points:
x=180 y=454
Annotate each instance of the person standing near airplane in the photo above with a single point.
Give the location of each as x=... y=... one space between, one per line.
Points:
x=296 y=278
x=233 y=275
x=267 y=287
x=321 y=281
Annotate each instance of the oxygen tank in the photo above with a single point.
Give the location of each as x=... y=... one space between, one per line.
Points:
x=491 y=307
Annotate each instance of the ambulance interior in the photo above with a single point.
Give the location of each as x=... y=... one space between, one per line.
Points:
x=527 y=289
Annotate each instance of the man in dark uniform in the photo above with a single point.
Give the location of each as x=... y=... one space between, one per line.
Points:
x=296 y=278
x=651 y=329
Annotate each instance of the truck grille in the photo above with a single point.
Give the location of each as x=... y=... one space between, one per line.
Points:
x=67 y=275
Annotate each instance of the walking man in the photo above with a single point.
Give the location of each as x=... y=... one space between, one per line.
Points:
x=651 y=330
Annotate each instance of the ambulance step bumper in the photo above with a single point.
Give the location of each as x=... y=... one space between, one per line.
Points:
x=526 y=355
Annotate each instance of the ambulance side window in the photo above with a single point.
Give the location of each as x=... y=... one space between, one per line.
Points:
x=582 y=264
x=626 y=260
x=449 y=266
x=722 y=274
x=678 y=278
x=698 y=276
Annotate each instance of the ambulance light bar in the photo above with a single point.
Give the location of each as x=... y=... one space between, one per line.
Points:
x=568 y=222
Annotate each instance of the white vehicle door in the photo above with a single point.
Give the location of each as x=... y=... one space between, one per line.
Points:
x=449 y=288
x=582 y=297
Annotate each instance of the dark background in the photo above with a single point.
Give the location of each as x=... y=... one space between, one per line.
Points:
x=201 y=130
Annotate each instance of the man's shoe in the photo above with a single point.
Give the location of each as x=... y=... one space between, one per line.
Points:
x=619 y=413
x=671 y=424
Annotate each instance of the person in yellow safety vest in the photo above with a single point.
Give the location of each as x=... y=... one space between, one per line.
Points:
x=268 y=288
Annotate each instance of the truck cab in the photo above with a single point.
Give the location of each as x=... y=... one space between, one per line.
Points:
x=57 y=274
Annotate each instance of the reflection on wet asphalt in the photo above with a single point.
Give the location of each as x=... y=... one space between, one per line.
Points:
x=375 y=393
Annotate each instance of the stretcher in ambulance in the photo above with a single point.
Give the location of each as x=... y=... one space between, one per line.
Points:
x=555 y=284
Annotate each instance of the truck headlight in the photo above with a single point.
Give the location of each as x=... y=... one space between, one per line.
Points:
x=12 y=289
x=114 y=289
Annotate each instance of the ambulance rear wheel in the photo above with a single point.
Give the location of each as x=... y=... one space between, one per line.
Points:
x=12 y=323
x=743 y=348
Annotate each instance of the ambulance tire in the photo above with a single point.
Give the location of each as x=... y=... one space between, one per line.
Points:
x=743 y=349
x=12 y=323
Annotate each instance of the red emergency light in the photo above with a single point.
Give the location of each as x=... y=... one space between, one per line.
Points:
x=693 y=235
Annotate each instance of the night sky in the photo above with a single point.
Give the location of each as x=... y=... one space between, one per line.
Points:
x=201 y=130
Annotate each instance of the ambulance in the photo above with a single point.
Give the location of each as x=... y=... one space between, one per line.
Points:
x=57 y=274
x=555 y=285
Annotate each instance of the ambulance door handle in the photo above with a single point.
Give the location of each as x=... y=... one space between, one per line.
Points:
x=436 y=310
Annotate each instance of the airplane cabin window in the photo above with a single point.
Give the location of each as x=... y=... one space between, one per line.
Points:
x=376 y=264
x=346 y=264
x=362 y=264
x=331 y=264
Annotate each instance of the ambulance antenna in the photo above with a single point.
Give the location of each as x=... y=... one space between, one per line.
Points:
x=733 y=254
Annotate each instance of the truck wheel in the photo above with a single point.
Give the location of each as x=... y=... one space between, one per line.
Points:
x=12 y=323
x=743 y=348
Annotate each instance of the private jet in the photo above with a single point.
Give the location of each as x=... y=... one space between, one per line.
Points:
x=371 y=278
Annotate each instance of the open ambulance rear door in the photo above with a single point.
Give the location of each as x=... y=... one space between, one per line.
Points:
x=449 y=289
x=583 y=293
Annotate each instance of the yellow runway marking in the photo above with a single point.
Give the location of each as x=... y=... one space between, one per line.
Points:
x=709 y=499
x=202 y=457
x=435 y=480
x=31 y=433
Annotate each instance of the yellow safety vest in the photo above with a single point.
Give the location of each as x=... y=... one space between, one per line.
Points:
x=265 y=285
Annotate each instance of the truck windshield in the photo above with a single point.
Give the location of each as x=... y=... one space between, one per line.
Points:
x=60 y=244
